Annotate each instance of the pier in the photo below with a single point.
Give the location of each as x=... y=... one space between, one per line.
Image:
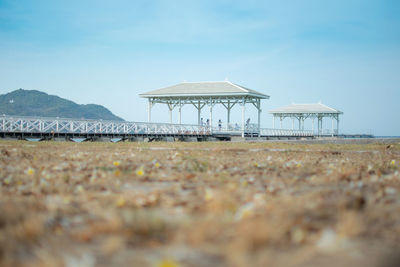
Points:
x=17 y=127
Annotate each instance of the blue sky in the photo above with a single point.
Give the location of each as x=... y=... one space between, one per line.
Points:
x=345 y=54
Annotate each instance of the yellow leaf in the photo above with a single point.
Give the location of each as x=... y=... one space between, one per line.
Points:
x=168 y=263
x=208 y=195
x=30 y=171
x=120 y=202
x=140 y=171
x=117 y=173
x=116 y=163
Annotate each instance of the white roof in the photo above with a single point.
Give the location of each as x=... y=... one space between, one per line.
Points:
x=185 y=89
x=305 y=108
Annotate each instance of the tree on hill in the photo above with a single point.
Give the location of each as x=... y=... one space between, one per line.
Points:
x=35 y=103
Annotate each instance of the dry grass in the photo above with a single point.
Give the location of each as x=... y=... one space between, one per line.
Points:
x=199 y=204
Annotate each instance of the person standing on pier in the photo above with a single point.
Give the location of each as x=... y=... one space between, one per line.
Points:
x=248 y=123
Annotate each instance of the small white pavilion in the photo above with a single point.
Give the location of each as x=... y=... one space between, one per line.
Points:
x=301 y=112
x=200 y=94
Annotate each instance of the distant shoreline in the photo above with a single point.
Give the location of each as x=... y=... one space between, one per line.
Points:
x=384 y=140
x=384 y=137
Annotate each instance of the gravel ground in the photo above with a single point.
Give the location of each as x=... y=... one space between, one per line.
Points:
x=199 y=204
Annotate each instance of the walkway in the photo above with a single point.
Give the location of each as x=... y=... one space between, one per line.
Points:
x=20 y=127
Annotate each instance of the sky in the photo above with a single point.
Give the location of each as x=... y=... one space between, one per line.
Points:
x=342 y=53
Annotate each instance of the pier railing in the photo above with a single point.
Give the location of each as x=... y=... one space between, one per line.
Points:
x=35 y=125
x=77 y=126
x=285 y=132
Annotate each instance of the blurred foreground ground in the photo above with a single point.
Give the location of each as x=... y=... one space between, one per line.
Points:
x=199 y=204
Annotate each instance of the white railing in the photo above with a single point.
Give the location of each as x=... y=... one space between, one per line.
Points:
x=77 y=126
x=235 y=128
x=252 y=129
x=284 y=132
x=327 y=132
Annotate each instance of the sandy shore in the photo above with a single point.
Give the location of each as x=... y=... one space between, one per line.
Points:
x=200 y=204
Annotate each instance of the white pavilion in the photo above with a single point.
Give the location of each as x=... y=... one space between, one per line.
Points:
x=200 y=94
x=301 y=112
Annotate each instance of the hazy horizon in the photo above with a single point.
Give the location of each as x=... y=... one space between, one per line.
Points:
x=344 y=54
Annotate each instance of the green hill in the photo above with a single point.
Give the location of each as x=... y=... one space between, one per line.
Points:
x=35 y=103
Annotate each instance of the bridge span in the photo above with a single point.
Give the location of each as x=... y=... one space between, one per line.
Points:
x=18 y=127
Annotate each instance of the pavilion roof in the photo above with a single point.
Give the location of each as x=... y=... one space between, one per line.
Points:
x=208 y=89
x=305 y=108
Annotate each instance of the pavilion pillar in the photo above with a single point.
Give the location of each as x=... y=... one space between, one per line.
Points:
x=313 y=124
x=229 y=107
x=243 y=104
x=211 y=114
x=337 y=126
x=198 y=113
x=228 y=119
x=149 y=110
x=319 y=125
x=170 y=107
x=281 y=119
x=332 y=126
x=273 y=122
x=180 y=112
x=302 y=123
x=211 y=117
x=292 y=123
x=299 y=119
x=259 y=115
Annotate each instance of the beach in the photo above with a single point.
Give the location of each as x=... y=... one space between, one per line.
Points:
x=199 y=204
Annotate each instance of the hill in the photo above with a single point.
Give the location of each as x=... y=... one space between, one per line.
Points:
x=35 y=103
